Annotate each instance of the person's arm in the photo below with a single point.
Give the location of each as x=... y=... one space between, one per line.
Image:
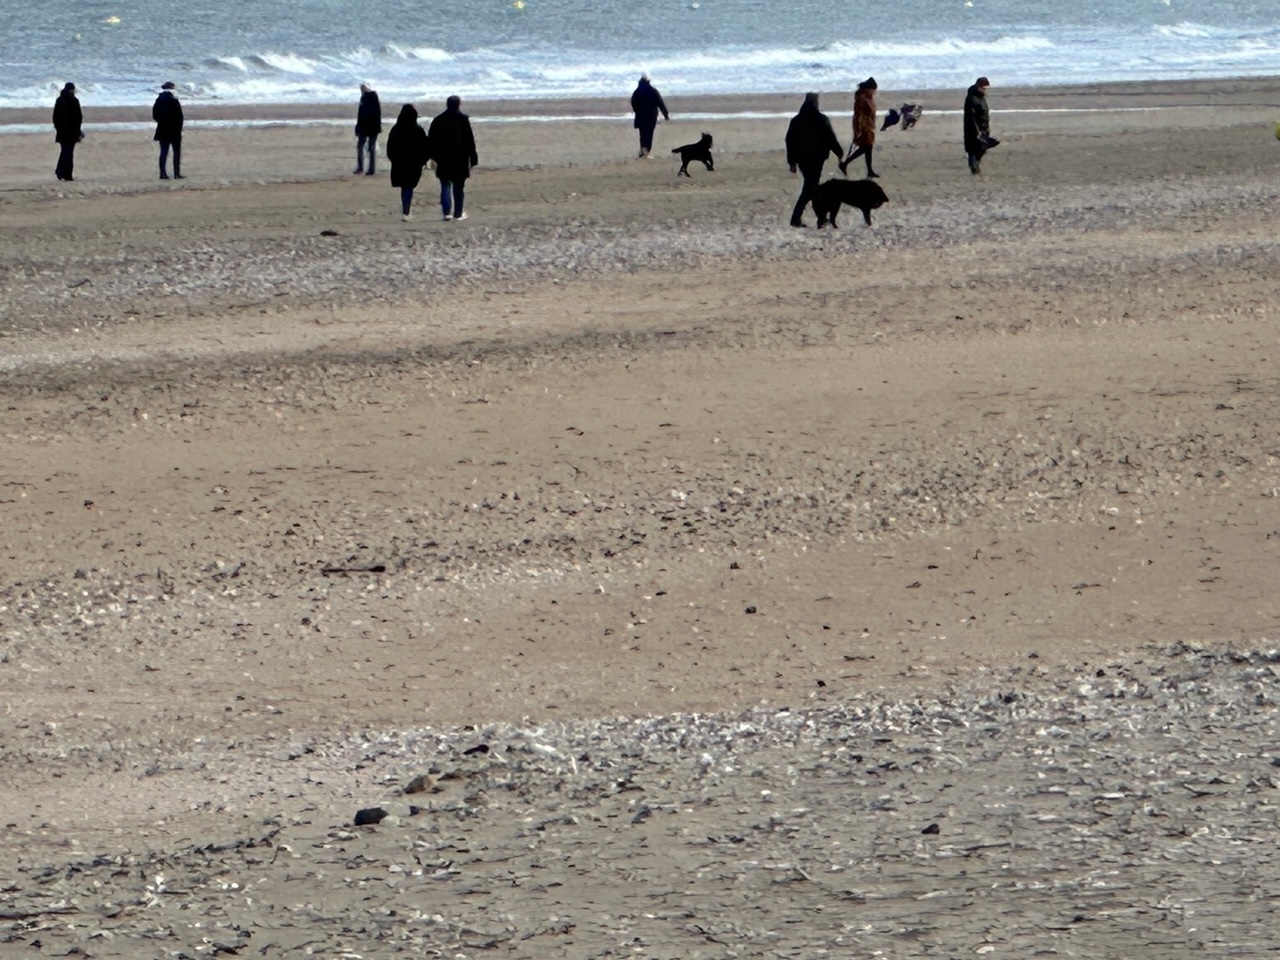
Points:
x=833 y=142
x=471 y=145
x=662 y=105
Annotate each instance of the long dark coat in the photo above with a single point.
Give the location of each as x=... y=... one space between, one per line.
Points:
x=452 y=145
x=67 y=118
x=810 y=136
x=977 y=120
x=167 y=113
x=646 y=104
x=407 y=149
x=369 y=115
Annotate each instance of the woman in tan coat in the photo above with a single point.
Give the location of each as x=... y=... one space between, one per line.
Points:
x=864 y=125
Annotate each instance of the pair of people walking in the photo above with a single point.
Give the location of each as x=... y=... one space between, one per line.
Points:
x=449 y=142
x=810 y=138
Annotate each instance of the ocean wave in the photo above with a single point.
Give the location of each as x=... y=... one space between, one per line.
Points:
x=520 y=69
x=1184 y=30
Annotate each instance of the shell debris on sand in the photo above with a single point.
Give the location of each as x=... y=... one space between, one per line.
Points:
x=1104 y=809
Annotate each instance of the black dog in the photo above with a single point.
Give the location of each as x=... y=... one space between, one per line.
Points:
x=866 y=195
x=700 y=151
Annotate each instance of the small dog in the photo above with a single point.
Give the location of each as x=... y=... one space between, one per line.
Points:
x=700 y=151
x=866 y=195
x=907 y=116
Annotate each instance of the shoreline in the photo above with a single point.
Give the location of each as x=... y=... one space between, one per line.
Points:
x=1236 y=92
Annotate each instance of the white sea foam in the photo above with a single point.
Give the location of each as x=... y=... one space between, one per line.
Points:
x=563 y=48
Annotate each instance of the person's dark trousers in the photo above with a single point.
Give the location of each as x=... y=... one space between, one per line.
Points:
x=646 y=137
x=864 y=151
x=811 y=171
x=369 y=145
x=406 y=199
x=66 y=162
x=452 y=195
x=975 y=163
x=176 y=145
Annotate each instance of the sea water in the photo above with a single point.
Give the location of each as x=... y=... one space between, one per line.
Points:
x=318 y=51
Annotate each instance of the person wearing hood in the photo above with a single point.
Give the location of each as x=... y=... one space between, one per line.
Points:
x=368 y=128
x=646 y=104
x=864 y=126
x=809 y=139
x=977 y=124
x=407 y=154
x=452 y=146
x=68 y=123
x=167 y=113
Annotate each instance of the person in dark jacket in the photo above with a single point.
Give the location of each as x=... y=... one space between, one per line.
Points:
x=452 y=146
x=368 y=128
x=864 y=126
x=977 y=123
x=167 y=113
x=809 y=140
x=68 y=122
x=646 y=104
x=407 y=153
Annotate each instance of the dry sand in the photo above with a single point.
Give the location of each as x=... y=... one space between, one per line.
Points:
x=745 y=591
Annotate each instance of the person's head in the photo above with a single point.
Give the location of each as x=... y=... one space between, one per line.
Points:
x=366 y=87
x=644 y=77
x=408 y=114
x=870 y=84
x=69 y=87
x=168 y=85
x=810 y=102
x=982 y=83
x=453 y=103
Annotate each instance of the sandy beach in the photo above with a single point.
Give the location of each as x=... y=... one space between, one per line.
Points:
x=735 y=590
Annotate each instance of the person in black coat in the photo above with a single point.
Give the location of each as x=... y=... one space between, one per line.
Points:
x=68 y=122
x=977 y=124
x=810 y=138
x=368 y=128
x=167 y=113
x=452 y=146
x=407 y=153
x=646 y=104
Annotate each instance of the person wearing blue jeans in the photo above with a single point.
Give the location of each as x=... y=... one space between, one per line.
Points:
x=407 y=153
x=452 y=145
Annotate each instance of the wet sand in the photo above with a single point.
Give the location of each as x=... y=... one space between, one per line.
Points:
x=905 y=590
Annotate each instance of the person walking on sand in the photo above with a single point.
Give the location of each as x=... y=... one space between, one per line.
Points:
x=977 y=124
x=452 y=146
x=646 y=104
x=407 y=154
x=809 y=140
x=68 y=123
x=167 y=113
x=368 y=128
x=864 y=126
